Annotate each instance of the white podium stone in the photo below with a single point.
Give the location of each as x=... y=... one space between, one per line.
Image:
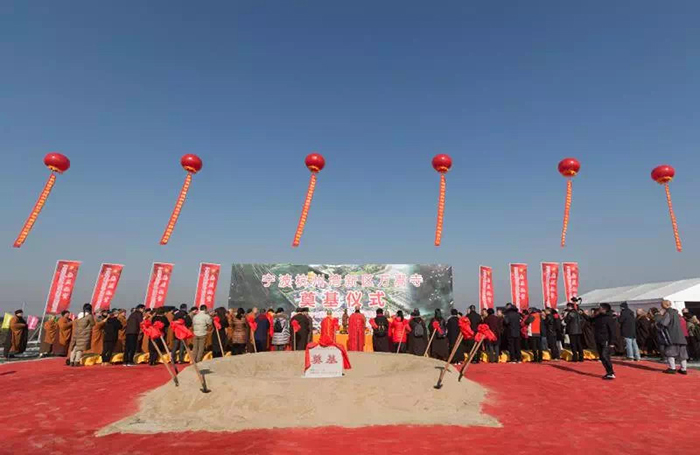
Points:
x=325 y=363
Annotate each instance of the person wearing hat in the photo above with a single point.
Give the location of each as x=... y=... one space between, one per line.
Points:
x=628 y=329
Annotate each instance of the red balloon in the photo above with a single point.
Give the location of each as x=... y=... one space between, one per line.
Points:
x=442 y=163
x=663 y=174
x=315 y=162
x=57 y=162
x=568 y=167
x=191 y=163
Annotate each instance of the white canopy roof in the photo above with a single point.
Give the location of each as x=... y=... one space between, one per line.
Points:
x=675 y=291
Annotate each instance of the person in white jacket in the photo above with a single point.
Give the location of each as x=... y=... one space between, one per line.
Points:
x=200 y=324
x=280 y=325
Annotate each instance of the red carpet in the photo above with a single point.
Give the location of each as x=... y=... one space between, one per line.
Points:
x=547 y=408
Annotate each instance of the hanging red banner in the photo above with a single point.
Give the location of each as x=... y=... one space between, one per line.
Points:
x=106 y=286
x=206 y=285
x=570 y=279
x=550 y=284
x=158 y=285
x=62 y=285
x=518 y=286
x=485 y=287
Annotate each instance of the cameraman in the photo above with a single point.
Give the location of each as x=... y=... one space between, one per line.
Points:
x=574 y=328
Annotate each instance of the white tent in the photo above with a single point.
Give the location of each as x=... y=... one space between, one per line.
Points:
x=682 y=293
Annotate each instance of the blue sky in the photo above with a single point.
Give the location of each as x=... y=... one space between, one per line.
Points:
x=506 y=88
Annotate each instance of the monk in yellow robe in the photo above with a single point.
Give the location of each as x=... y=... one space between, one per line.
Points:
x=65 y=332
x=16 y=339
x=50 y=335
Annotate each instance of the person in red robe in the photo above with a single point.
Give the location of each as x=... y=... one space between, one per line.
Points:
x=329 y=326
x=356 y=331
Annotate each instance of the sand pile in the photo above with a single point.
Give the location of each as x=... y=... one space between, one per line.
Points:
x=267 y=390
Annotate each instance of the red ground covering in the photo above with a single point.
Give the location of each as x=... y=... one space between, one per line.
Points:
x=546 y=408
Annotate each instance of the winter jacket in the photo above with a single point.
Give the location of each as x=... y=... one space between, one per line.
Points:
x=492 y=322
x=200 y=322
x=399 y=330
x=574 y=323
x=83 y=332
x=239 y=330
x=474 y=320
x=511 y=320
x=671 y=321
x=604 y=328
x=133 y=324
x=180 y=314
x=281 y=338
x=112 y=327
x=628 y=324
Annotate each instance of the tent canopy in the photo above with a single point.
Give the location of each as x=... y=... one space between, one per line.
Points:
x=678 y=292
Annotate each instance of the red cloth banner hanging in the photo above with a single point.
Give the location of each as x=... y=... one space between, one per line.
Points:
x=62 y=285
x=550 y=284
x=518 y=286
x=206 y=285
x=570 y=279
x=158 y=285
x=485 y=287
x=106 y=286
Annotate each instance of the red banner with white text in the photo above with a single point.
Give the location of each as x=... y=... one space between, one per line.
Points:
x=62 y=285
x=158 y=285
x=570 y=279
x=485 y=287
x=206 y=285
x=106 y=286
x=518 y=286
x=550 y=284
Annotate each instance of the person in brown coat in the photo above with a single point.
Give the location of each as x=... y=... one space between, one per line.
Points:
x=239 y=332
x=61 y=346
x=16 y=340
x=50 y=335
x=121 y=338
x=82 y=335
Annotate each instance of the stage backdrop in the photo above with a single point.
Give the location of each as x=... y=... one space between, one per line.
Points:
x=324 y=287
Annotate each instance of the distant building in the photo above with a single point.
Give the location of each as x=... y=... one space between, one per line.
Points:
x=682 y=293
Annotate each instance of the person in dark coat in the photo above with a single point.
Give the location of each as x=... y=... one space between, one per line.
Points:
x=262 y=333
x=511 y=321
x=301 y=337
x=152 y=352
x=111 y=335
x=215 y=345
x=675 y=345
x=628 y=330
x=380 y=332
x=604 y=328
x=574 y=328
x=550 y=331
x=417 y=334
x=440 y=347
x=452 y=335
x=588 y=332
x=492 y=347
x=619 y=342
x=474 y=321
x=133 y=328
x=643 y=331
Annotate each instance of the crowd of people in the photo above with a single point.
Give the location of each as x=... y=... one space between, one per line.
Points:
x=654 y=332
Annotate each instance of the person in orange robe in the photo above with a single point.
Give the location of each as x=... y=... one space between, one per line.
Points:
x=329 y=326
x=16 y=338
x=121 y=338
x=169 y=334
x=270 y=317
x=356 y=331
x=97 y=335
x=50 y=335
x=65 y=332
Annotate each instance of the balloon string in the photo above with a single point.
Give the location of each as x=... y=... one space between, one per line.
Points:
x=567 y=209
x=305 y=210
x=676 y=236
x=34 y=214
x=441 y=211
x=176 y=211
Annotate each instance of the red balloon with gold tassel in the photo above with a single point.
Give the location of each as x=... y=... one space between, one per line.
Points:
x=568 y=167
x=441 y=163
x=663 y=175
x=315 y=162
x=192 y=164
x=58 y=164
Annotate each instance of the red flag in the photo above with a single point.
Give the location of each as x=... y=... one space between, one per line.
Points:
x=485 y=287
x=62 y=285
x=158 y=285
x=106 y=286
x=550 y=284
x=518 y=286
x=207 y=282
x=571 y=279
